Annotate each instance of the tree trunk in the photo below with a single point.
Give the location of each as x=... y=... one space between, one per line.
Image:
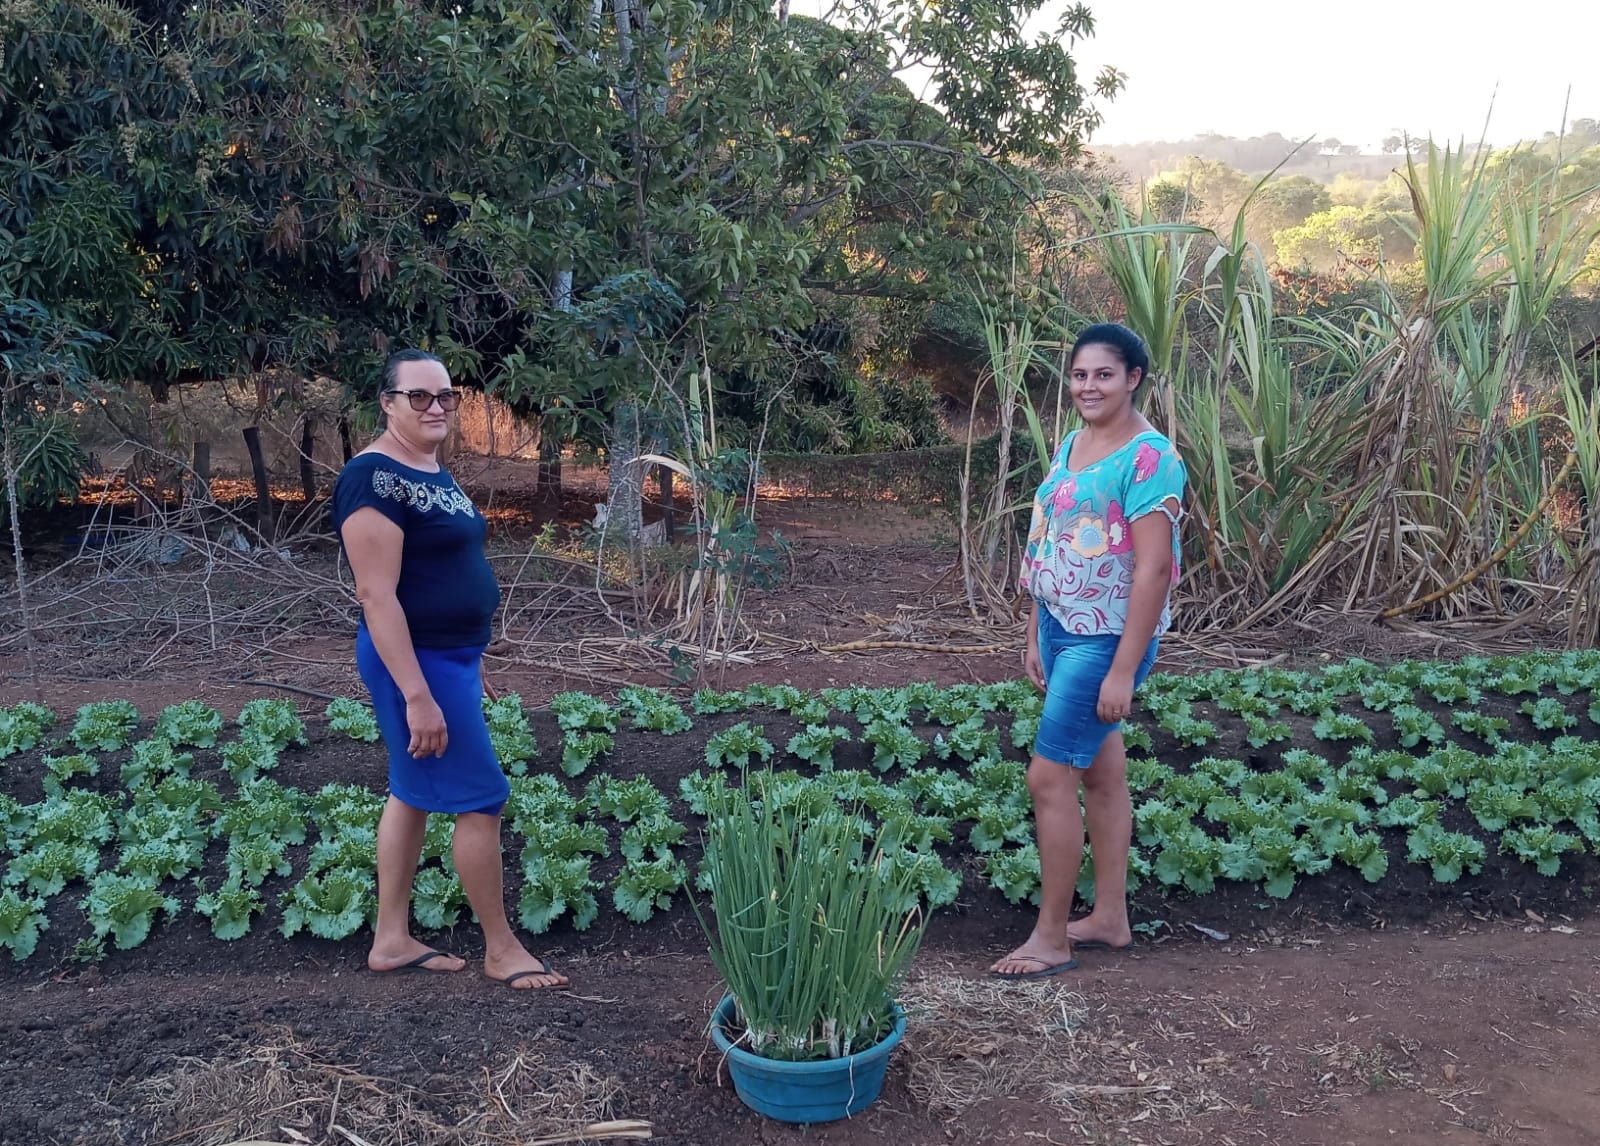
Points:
x=200 y=472
x=625 y=484
x=258 y=466
x=344 y=437
x=308 y=470
x=548 y=476
x=664 y=484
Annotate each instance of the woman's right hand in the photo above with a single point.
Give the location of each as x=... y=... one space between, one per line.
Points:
x=1033 y=665
x=425 y=719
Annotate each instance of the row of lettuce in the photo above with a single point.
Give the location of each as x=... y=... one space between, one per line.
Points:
x=1460 y=787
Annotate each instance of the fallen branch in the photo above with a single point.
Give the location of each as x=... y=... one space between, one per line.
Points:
x=919 y=646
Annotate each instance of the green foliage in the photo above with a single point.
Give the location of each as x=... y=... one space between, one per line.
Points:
x=125 y=907
x=652 y=710
x=265 y=810
x=152 y=761
x=579 y=750
x=552 y=887
x=22 y=726
x=511 y=736
x=738 y=746
x=893 y=743
x=274 y=721
x=1341 y=726
x=21 y=921
x=1449 y=853
x=1480 y=724
x=1014 y=872
x=352 y=718
x=105 y=726
x=710 y=702
x=249 y=758
x=1412 y=726
x=1549 y=714
x=437 y=898
x=334 y=904
x=580 y=712
x=192 y=722
x=816 y=743
x=626 y=800
x=252 y=859
x=810 y=932
x=50 y=865
x=1540 y=845
x=60 y=771
x=644 y=887
x=230 y=908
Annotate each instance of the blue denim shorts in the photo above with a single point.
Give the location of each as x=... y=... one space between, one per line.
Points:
x=1070 y=730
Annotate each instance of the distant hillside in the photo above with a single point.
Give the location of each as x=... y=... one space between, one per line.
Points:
x=1320 y=160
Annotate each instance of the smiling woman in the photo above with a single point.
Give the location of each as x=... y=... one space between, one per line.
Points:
x=414 y=541
x=1101 y=560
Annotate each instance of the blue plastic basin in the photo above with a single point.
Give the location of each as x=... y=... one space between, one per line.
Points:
x=821 y=1091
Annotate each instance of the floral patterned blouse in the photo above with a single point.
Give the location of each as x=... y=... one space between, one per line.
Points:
x=1079 y=560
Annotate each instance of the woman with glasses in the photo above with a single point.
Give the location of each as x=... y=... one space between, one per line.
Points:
x=414 y=541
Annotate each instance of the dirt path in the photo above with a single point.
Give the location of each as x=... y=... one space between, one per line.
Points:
x=1410 y=1037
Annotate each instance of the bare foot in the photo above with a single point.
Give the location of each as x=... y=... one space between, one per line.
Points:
x=1091 y=929
x=412 y=956
x=1034 y=960
x=523 y=972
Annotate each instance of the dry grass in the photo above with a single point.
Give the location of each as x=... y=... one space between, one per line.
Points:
x=284 y=1092
x=974 y=1041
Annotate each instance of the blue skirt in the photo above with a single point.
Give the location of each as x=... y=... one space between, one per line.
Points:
x=468 y=777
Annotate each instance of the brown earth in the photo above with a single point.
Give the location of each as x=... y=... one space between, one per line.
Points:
x=1412 y=1017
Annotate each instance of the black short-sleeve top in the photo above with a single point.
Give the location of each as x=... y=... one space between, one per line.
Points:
x=447 y=590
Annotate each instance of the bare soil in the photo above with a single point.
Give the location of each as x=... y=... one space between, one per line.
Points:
x=1415 y=1015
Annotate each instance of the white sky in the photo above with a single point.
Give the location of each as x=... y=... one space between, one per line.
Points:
x=1351 y=69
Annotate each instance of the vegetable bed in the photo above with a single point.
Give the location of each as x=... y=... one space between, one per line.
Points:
x=1357 y=788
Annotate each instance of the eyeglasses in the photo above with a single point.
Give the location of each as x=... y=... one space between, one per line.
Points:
x=421 y=400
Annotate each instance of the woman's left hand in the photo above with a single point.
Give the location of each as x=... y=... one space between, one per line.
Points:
x=1116 y=697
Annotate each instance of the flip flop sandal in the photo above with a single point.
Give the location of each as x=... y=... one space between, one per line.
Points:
x=1096 y=945
x=511 y=980
x=420 y=963
x=1044 y=972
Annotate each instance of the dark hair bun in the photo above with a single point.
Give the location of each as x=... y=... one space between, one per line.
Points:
x=1127 y=345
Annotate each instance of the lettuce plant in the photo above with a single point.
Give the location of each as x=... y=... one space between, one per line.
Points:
x=1450 y=854
x=738 y=746
x=644 y=887
x=1540 y=845
x=22 y=918
x=230 y=908
x=22 y=726
x=579 y=750
x=193 y=723
x=580 y=712
x=60 y=771
x=47 y=867
x=331 y=905
x=652 y=710
x=1548 y=714
x=510 y=735
x=105 y=726
x=553 y=886
x=893 y=743
x=125 y=907
x=816 y=743
x=352 y=718
x=272 y=720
